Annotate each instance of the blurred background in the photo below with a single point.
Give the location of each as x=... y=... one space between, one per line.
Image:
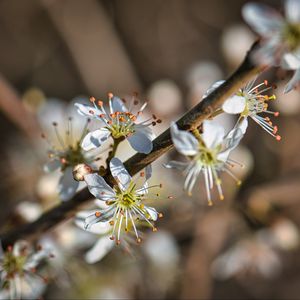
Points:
x=170 y=52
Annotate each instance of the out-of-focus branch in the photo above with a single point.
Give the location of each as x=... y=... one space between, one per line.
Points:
x=14 y=110
x=137 y=162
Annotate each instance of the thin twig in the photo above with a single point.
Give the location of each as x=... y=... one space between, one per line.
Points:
x=137 y=162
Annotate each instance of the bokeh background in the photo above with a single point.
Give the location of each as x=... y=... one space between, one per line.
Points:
x=170 y=52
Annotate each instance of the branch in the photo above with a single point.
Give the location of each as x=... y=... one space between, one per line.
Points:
x=137 y=162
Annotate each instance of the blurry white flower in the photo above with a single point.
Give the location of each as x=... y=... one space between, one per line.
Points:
x=64 y=156
x=250 y=102
x=165 y=98
x=118 y=123
x=285 y=234
x=29 y=211
x=253 y=255
x=18 y=274
x=280 y=36
x=123 y=205
x=199 y=78
x=207 y=155
x=236 y=41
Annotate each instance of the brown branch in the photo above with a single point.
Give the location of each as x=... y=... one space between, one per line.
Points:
x=137 y=162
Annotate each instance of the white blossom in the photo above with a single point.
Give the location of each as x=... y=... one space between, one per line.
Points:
x=18 y=271
x=207 y=155
x=66 y=153
x=250 y=102
x=118 y=122
x=123 y=205
x=280 y=36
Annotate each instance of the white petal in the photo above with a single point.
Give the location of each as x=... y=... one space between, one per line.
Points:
x=234 y=105
x=99 y=250
x=290 y=61
x=293 y=83
x=95 y=139
x=140 y=142
x=176 y=165
x=262 y=18
x=233 y=138
x=213 y=134
x=52 y=165
x=213 y=87
x=184 y=141
x=231 y=142
x=87 y=111
x=119 y=172
x=98 y=187
x=118 y=105
x=146 y=130
x=152 y=212
x=98 y=228
x=243 y=125
x=292 y=10
x=67 y=185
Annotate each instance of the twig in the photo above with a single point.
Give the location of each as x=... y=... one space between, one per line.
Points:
x=137 y=162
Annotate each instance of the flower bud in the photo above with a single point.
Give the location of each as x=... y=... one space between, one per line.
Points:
x=80 y=170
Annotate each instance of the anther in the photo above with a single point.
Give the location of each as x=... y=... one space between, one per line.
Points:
x=97 y=214
x=92 y=99
x=276 y=114
x=118 y=242
x=110 y=95
x=100 y=103
x=160 y=215
x=266 y=82
x=138 y=240
x=54 y=123
x=278 y=137
x=210 y=203
x=154 y=229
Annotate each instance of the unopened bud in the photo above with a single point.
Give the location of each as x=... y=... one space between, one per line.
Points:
x=80 y=171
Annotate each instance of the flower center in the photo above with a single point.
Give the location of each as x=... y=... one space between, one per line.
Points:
x=13 y=264
x=121 y=124
x=127 y=199
x=208 y=157
x=292 y=36
x=72 y=157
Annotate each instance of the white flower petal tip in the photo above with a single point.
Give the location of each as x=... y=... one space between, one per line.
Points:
x=140 y=142
x=67 y=186
x=234 y=105
x=213 y=134
x=294 y=83
x=213 y=88
x=95 y=139
x=100 y=250
x=184 y=141
x=120 y=174
x=98 y=187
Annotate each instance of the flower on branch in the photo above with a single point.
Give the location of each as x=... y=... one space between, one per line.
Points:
x=65 y=154
x=207 y=155
x=280 y=45
x=123 y=205
x=118 y=122
x=18 y=267
x=251 y=101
